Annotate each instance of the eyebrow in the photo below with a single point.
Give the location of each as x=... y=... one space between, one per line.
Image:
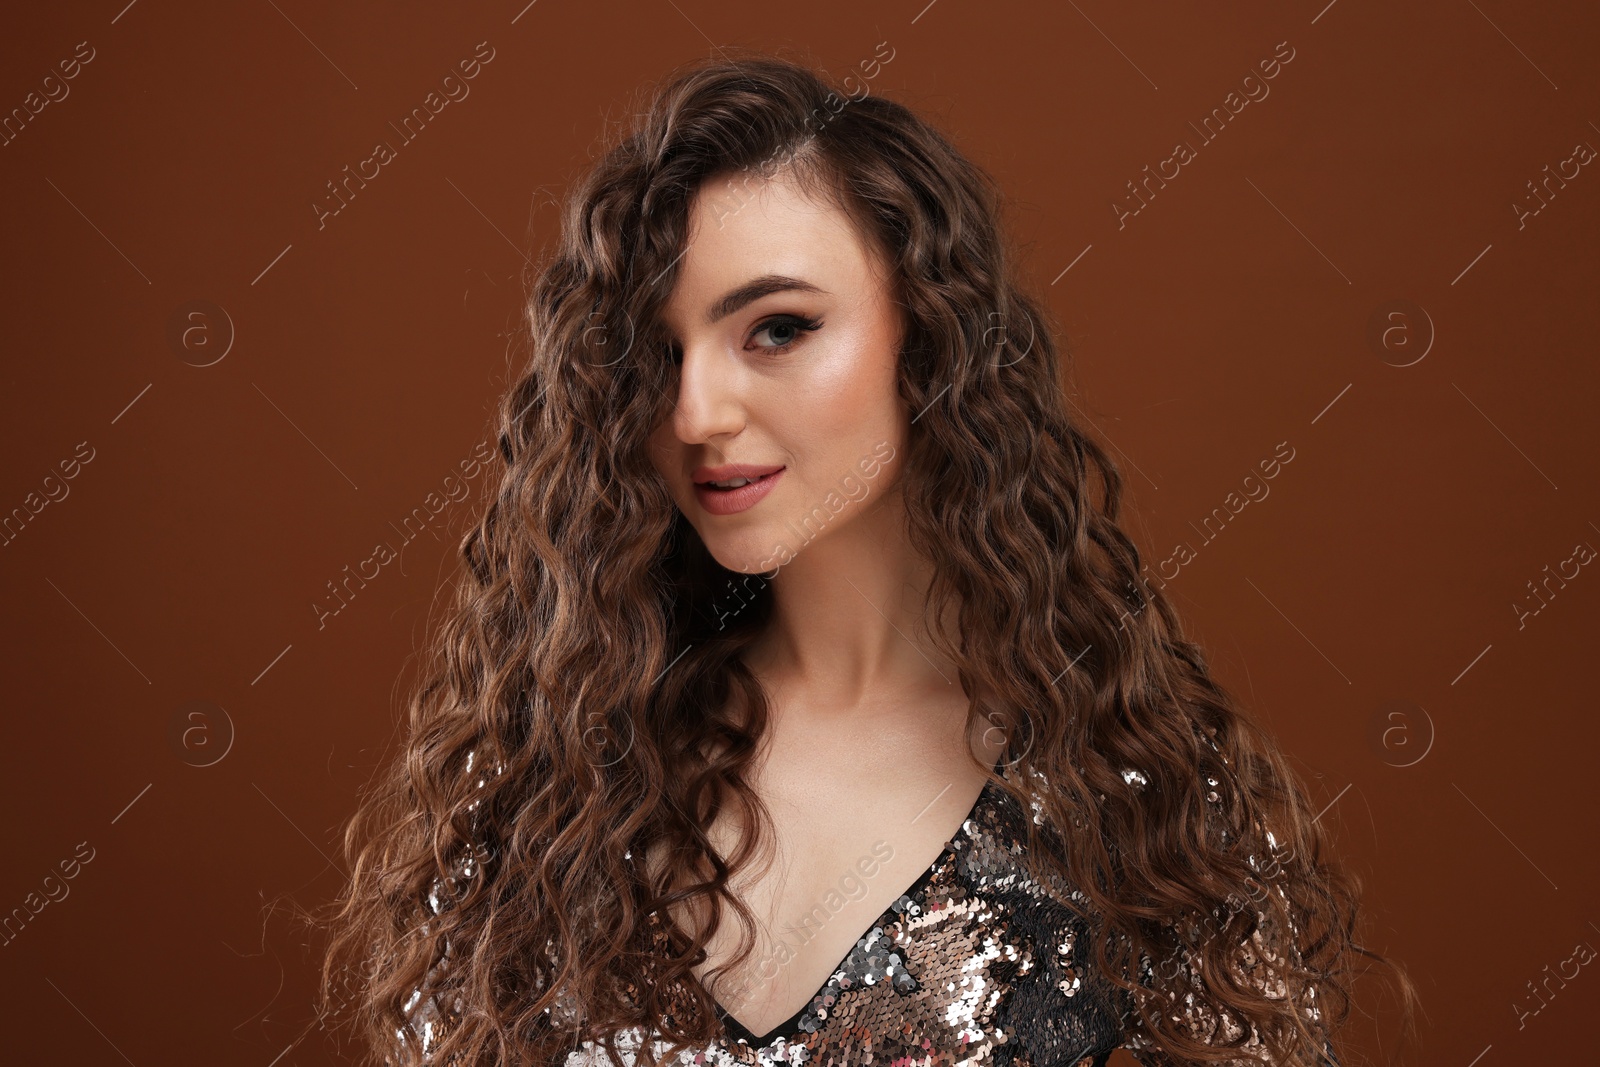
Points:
x=754 y=290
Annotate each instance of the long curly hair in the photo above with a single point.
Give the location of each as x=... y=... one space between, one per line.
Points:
x=572 y=709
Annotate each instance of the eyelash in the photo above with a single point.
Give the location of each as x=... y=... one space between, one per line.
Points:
x=800 y=322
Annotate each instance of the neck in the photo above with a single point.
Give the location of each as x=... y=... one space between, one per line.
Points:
x=847 y=633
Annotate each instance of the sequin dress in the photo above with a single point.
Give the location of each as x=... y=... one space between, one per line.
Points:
x=973 y=964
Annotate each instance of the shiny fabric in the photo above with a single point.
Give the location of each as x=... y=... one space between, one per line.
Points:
x=974 y=964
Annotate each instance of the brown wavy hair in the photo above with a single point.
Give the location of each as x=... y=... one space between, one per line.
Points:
x=572 y=709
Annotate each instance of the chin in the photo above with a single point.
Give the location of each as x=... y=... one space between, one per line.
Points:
x=748 y=557
x=750 y=551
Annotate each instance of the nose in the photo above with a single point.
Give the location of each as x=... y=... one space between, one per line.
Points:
x=710 y=404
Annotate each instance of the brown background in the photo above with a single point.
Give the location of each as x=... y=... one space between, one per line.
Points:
x=1228 y=316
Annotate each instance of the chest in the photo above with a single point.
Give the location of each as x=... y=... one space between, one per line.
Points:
x=847 y=838
x=812 y=905
x=973 y=963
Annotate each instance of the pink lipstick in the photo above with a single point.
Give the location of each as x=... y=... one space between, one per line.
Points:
x=759 y=480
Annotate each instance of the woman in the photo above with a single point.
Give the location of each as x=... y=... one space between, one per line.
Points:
x=804 y=698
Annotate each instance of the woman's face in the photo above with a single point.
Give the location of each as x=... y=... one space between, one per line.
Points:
x=787 y=337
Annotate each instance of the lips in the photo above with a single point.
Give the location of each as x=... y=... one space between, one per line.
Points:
x=741 y=498
x=730 y=471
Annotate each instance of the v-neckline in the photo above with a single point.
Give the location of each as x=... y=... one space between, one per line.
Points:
x=739 y=1032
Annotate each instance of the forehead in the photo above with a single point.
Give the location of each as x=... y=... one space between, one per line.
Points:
x=741 y=227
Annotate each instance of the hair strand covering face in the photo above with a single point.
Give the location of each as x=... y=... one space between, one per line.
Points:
x=570 y=712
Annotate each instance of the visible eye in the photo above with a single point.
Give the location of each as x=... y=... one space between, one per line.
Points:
x=784 y=331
